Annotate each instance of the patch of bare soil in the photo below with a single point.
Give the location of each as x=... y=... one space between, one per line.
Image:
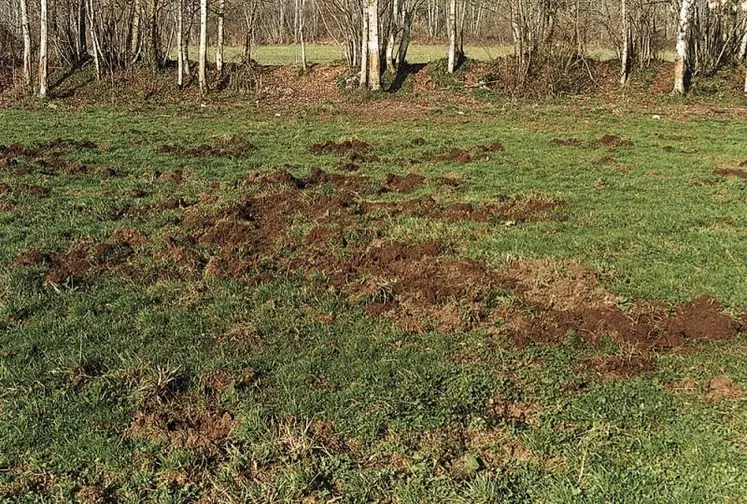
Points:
x=419 y=286
x=731 y=172
x=567 y=142
x=225 y=146
x=612 y=141
x=720 y=388
x=86 y=260
x=353 y=153
x=46 y=158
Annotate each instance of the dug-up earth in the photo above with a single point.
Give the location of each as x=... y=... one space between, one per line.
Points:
x=328 y=230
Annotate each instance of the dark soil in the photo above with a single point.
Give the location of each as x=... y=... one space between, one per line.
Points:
x=419 y=286
x=731 y=172
x=612 y=141
x=46 y=158
x=339 y=148
x=567 y=142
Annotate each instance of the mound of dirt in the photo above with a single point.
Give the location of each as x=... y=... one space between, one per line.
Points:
x=339 y=148
x=612 y=141
x=47 y=158
x=731 y=172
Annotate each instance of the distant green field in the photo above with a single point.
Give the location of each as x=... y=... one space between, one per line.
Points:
x=418 y=53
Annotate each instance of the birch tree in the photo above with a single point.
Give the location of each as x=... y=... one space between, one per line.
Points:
x=26 y=45
x=180 y=42
x=202 y=56
x=374 y=57
x=364 y=46
x=452 y=28
x=43 y=39
x=681 y=56
x=625 y=53
x=219 y=49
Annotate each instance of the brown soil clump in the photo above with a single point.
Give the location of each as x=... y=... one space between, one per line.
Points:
x=731 y=172
x=567 y=142
x=721 y=388
x=403 y=183
x=612 y=141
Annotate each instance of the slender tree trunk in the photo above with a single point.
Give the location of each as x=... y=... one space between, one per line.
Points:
x=94 y=39
x=452 y=28
x=155 y=56
x=374 y=56
x=43 y=63
x=219 y=49
x=82 y=47
x=404 y=41
x=364 y=47
x=26 y=45
x=391 y=63
x=135 y=39
x=180 y=42
x=681 y=61
x=626 y=42
x=301 y=38
x=202 y=70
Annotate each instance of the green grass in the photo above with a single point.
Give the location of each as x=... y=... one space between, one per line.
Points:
x=288 y=54
x=357 y=409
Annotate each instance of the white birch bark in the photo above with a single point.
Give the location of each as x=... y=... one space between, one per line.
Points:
x=374 y=58
x=302 y=39
x=681 y=49
x=364 y=47
x=180 y=42
x=625 y=52
x=94 y=38
x=452 y=28
x=219 y=49
x=202 y=64
x=26 y=45
x=391 y=64
x=43 y=39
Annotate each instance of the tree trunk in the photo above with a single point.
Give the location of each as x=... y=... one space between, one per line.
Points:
x=391 y=63
x=26 y=45
x=155 y=52
x=135 y=38
x=364 y=47
x=681 y=58
x=43 y=63
x=452 y=28
x=374 y=57
x=626 y=42
x=94 y=39
x=202 y=70
x=404 y=41
x=219 y=49
x=301 y=38
x=82 y=48
x=180 y=42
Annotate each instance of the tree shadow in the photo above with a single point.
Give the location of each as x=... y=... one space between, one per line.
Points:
x=403 y=72
x=69 y=73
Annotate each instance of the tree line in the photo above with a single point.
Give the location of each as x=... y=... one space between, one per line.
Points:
x=373 y=35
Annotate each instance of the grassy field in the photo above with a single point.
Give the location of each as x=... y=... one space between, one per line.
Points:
x=418 y=53
x=184 y=328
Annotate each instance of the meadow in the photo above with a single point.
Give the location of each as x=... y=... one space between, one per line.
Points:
x=538 y=303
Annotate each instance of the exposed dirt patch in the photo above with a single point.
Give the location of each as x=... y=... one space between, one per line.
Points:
x=731 y=172
x=86 y=260
x=623 y=367
x=403 y=183
x=47 y=158
x=567 y=142
x=720 y=388
x=612 y=141
x=184 y=424
x=454 y=155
